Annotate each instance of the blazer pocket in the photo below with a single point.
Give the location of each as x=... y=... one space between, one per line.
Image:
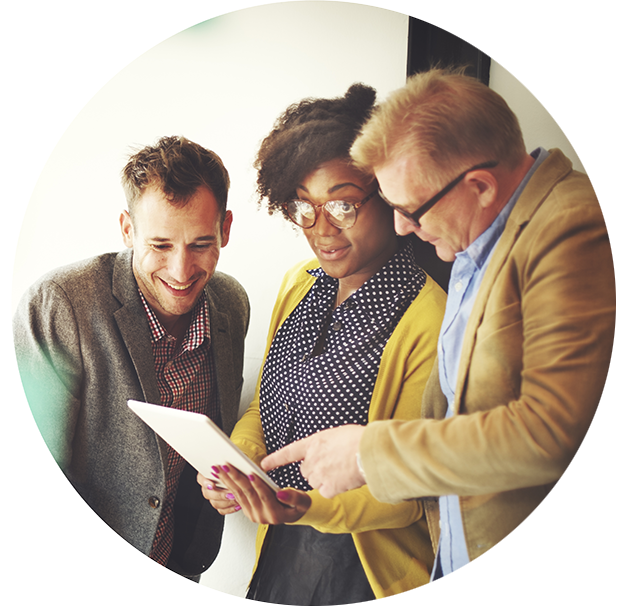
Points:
x=497 y=360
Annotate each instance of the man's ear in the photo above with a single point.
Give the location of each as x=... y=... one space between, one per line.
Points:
x=485 y=187
x=127 y=229
x=225 y=228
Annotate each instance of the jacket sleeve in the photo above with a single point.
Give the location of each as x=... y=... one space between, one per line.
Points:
x=49 y=360
x=545 y=338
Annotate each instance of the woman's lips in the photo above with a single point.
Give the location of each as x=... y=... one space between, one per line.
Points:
x=332 y=253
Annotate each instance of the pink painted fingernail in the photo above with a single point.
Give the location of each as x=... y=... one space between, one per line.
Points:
x=230 y=496
x=215 y=469
x=251 y=477
x=225 y=469
x=237 y=507
x=282 y=495
x=209 y=487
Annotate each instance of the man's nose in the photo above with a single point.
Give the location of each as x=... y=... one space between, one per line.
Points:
x=180 y=265
x=404 y=226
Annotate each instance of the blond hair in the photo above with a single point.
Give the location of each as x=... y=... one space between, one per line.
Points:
x=444 y=119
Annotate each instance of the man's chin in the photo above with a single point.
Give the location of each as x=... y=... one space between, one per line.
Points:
x=179 y=304
x=444 y=252
x=174 y=309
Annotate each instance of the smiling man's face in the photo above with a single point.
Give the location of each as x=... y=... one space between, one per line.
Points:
x=175 y=249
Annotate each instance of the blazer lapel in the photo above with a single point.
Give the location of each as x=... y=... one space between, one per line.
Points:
x=221 y=346
x=551 y=171
x=133 y=325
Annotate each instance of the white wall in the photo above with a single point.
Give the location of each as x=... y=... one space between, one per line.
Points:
x=539 y=127
x=222 y=84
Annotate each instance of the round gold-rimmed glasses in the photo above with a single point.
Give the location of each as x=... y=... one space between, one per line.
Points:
x=340 y=213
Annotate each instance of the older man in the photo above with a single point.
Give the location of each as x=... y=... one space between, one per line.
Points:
x=526 y=340
x=156 y=323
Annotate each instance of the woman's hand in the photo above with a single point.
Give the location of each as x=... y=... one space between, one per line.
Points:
x=259 y=502
x=221 y=499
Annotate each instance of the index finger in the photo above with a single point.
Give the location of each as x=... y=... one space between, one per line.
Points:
x=295 y=452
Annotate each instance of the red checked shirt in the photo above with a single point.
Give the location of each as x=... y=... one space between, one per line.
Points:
x=186 y=380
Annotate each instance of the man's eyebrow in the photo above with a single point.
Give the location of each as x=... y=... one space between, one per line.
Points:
x=207 y=238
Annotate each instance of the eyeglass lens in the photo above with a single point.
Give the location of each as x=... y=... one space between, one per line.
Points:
x=339 y=213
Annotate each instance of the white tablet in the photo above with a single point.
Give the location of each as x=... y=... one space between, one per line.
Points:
x=197 y=438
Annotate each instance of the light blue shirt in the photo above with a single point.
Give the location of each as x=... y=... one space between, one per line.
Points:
x=466 y=277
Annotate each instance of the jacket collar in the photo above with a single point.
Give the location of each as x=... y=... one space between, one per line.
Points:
x=133 y=325
x=554 y=168
x=223 y=355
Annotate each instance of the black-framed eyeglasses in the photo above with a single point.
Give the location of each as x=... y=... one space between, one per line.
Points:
x=424 y=208
x=340 y=213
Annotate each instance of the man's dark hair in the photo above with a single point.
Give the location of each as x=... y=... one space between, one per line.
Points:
x=178 y=167
x=305 y=136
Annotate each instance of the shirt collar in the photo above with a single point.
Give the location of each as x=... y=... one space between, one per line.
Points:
x=198 y=330
x=388 y=283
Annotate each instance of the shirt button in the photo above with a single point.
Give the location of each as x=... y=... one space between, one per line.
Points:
x=337 y=326
x=286 y=406
x=154 y=502
x=458 y=286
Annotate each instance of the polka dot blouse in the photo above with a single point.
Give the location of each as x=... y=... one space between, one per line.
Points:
x=301 y=394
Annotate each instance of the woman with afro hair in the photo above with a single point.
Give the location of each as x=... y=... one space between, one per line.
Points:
x=352 y=340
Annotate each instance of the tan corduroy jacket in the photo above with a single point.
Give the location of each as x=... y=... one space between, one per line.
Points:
x=533 y=364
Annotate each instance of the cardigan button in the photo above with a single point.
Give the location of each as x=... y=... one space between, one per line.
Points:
x=337 y=326
x=154 y=502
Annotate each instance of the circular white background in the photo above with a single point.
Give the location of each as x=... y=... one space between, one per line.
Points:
x=58 y=56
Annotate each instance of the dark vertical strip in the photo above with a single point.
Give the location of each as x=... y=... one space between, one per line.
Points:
x=430 y=46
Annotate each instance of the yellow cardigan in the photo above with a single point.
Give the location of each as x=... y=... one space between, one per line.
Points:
x=392 y=541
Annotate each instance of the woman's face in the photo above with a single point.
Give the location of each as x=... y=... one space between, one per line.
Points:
x=352 y=255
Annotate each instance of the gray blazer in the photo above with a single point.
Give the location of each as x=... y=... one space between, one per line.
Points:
x=83 y=348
